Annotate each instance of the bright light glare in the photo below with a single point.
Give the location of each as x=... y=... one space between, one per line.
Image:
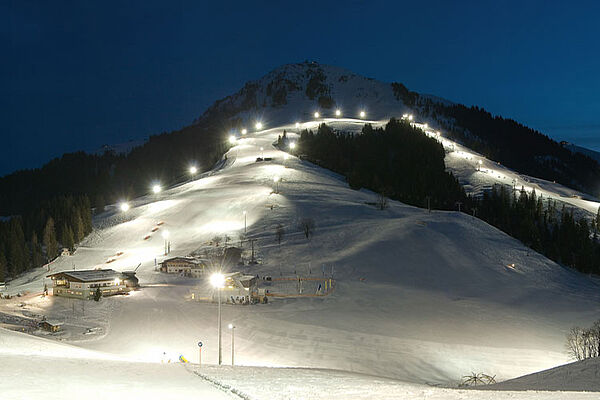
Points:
x=156 y=188
x=124 y=207
x=297 y=124
x=244 y=131
x=286 y=156
x=292 y=145
x=410 y=117
x=232 y=139
x=165 y=234
x=259 y=125
x=230 y=326
x=317 y=115
x=193 y=170
x=338 y=113
x=276 y=179
x=217 y=280
x=362 y=114
x=244 y=212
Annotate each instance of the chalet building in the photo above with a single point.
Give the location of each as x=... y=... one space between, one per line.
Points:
x=51 y=326
x=84 y=283
x=187 y=266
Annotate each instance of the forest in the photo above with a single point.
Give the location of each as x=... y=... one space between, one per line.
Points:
x=402 y=163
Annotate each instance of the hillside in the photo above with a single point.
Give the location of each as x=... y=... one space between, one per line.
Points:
x=420 y=297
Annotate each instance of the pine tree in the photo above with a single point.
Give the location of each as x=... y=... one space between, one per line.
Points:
x=36 y=252
x=50 y=239
x=77 y=224
x=3 y=269
x=66 y=238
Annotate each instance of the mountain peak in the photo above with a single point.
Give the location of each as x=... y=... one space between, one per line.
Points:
x=296 y=91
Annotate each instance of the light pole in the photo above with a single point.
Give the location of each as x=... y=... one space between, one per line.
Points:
x=262 y=153
x=232 y=328
x=276 y=181
x=165 y=236
x=245 y=221
x=193 y=171
x=217 y=280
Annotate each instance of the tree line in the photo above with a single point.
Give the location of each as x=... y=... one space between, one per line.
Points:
x=108 y=178
x=401 y=162
x=31 y=240
x=397 y=160
x=542 y=226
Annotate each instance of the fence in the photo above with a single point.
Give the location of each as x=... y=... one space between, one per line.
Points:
x=299 y=287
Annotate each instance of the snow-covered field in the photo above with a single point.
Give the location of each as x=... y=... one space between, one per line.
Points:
x=421 y=297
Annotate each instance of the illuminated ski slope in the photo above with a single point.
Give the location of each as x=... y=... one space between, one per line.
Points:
x=420 y=297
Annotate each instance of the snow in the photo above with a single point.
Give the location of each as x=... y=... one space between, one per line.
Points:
x=315 y=384
x=581 y=375
x=421 y=297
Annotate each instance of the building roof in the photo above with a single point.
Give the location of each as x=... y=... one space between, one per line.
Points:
x=89 y=275
x=52 y=322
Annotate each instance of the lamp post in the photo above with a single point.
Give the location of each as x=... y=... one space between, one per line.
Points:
x=276 y=181
x=232 y=328
x=245 y=221
x=193 y=171
x=165 y=236
x=217 y=280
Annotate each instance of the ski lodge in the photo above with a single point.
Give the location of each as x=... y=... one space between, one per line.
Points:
x=84 y=283
x=187 y=266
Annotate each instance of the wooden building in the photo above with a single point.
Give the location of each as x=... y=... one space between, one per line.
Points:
x=187 y=266
x=84 y=283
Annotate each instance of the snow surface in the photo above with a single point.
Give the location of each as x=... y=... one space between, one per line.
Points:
x=580 y=375
x=421 y=297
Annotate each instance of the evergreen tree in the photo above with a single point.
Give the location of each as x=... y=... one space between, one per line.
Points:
x=67 y=237
x=36 y=252
x=3 y=268
x=78 y=229
x=97 y=294
x=50 y=239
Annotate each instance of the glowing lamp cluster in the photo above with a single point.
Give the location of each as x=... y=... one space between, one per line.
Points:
x=317 y=115
x=193 y=170
x=338 y=113
x=156 y=189
x=258 y=125
x=217 y=280
x=362 y=114
x=124 y=207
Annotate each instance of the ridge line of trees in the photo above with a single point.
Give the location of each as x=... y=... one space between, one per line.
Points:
x=61 y=222
x=402 y=163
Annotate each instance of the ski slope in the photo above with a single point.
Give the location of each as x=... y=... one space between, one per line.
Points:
x=421 y=297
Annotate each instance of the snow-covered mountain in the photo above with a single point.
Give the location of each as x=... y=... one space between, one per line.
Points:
x=294 y=92
x=420 y=297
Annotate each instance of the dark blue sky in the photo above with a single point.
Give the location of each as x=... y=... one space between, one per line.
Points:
x=76 y=75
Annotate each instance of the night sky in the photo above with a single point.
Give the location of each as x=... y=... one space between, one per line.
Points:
x=76 y=75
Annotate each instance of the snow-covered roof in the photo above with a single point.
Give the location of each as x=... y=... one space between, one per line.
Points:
x=89 y=275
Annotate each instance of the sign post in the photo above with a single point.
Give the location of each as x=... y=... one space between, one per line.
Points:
x=200 y=353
